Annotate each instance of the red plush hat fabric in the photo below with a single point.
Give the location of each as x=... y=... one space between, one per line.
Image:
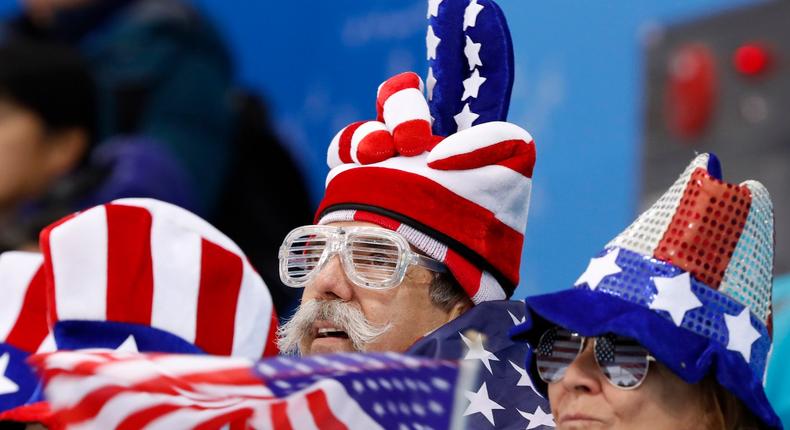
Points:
x=468 y=191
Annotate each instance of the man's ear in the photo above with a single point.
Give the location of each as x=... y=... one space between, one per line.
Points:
x=64 y=151
x=459 y=308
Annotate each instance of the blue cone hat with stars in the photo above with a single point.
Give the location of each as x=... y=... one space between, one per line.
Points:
x=690 y=280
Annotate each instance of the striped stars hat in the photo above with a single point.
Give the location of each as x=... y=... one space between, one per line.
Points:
x=23 y=331
x=145 y=275
x=457 y=187
x=690 y=280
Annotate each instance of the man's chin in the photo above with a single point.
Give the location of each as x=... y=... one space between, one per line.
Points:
x=328 y=345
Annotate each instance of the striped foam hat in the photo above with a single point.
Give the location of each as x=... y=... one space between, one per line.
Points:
x=141 y=274
x=23 y=331
x=690 y=280
x=447 y=172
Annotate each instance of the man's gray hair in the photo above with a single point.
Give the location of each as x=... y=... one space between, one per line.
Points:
x=446 y=292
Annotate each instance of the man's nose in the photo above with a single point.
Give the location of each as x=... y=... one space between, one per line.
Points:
x=331 y=282
x=583 y=375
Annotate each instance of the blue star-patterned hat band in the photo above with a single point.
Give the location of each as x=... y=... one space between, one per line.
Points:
x=690 y=280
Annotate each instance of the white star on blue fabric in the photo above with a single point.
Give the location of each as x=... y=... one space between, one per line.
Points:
x=472 y=52
x=432 y=42
x=599 y=268
x=477 y=351
x=524 y=380
x=128 y=345
x=470 y=14
x=480 y=402
x=537 y=418
x=7 y=386
x=465 y=118
x=741 y=333
x=675 y=296
x=433 y=7
x=517 y=321
x=472 y=85
x=430 y=82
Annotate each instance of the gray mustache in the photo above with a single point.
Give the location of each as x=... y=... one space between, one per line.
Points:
x=342 y=315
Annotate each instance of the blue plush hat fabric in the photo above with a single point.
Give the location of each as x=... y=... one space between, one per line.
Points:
x=471 y=66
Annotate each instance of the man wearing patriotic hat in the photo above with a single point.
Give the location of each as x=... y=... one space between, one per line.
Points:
x=425 y=207
x=417 y=242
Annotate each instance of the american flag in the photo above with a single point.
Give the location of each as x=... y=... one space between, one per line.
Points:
x=468 y=374
x=501 y=395
x=105 y=390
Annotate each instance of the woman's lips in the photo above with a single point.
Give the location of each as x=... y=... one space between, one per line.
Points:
x=577 y=418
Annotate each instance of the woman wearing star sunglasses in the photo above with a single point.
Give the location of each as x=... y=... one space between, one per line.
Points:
x=669 y=325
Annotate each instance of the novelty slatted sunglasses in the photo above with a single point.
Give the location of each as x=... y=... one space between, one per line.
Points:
x=371 y=257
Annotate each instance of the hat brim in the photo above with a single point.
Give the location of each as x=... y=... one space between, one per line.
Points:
x=689 y=355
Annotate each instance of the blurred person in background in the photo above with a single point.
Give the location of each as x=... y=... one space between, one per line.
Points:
x=164 y=78
x=49 y=163
x=47 y=123
x=161 y=71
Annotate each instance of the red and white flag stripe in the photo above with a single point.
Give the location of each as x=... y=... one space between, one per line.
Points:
x=90 y=390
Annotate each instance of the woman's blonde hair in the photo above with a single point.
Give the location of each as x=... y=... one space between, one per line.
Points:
x=724 y=411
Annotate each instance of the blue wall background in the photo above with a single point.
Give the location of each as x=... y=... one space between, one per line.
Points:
x=577 y=90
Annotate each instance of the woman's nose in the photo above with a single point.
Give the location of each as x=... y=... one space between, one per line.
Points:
x=583 y=375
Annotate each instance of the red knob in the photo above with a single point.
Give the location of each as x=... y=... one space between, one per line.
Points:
x=691 y=90
x=752 y=59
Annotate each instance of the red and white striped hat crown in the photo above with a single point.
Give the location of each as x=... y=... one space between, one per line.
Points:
x=149 y=263
x=462 y=199
x=23 y=308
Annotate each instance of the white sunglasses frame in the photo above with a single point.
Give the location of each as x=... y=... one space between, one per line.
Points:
x=337 y=243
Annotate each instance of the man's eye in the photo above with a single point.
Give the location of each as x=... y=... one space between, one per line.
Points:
x=370 y=259
x=381 y=259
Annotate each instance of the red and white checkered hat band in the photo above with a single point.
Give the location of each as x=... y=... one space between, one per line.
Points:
x=23 y=316
x=147 y=262
x=479 y=284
